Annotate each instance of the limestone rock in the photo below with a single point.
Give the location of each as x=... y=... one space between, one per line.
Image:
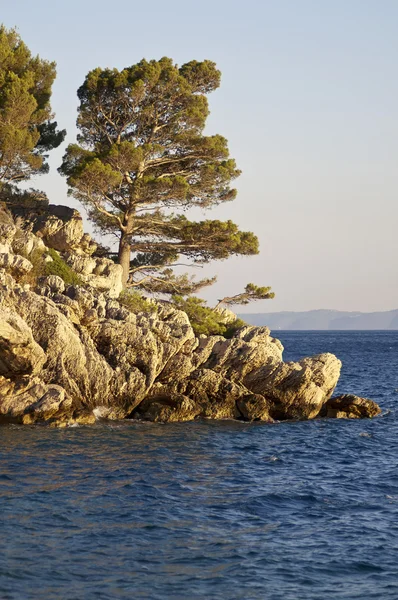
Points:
x=251 y=348
x=19 y=353
x=55 y=403
x=26 y=243
x=15 y=264
x=55 y=284
x=254 y=407
x=60 y=227
x=32 y=401
x=226 y=315
x=7 y=227
x=296 y=390
x=70 y=354
x=203 y=394
x=349 y=406
x=100 y=273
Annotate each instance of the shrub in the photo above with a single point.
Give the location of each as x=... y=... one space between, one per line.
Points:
x=231 y=328
x=39 y=267
x=59 y=267
x=204 y=320
x=136 y=303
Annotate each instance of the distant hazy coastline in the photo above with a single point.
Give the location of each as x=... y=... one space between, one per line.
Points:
x=325 y=319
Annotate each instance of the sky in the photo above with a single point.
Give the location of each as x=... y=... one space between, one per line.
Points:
x=308 y=102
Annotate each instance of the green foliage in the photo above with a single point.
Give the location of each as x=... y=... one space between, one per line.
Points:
x=231 y=328
x=39 y=266
x=142 y=154
x=26 y=129
x=205 y=320
x=252 y=292
x=59 y=267
x=135 y=302
x=31 y=198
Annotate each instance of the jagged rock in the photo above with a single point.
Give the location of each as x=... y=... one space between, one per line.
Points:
x=349 y=406
x=226 y=315
x=60 y=227
x=32 y=401
x=19 y=353
x=71 y=354
x=15 y=264
x=54 y=404
x=84 y=298
x=141 y=350
x=296 y=390
x=84 y=265
x=167 y=408
x=7 y=228
x=88 y=245
x=55 y=284
x=250 y=348
x=26 y=243
x=204 y=394
x=254 y=407
x=100 y=273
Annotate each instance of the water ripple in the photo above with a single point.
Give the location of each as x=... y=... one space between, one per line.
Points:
x=211 y=510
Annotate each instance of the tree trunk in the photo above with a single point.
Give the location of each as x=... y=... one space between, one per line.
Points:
x=124 y=257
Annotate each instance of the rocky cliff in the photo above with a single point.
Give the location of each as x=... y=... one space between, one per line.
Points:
x=72 y=353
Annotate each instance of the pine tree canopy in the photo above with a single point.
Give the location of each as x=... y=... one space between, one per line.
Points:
x=142 y=159
x=27 y=131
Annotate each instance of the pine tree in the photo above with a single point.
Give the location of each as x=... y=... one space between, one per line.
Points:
x=27 y=131
x=142 y=160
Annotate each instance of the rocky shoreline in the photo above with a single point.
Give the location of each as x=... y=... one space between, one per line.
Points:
x=72 y=353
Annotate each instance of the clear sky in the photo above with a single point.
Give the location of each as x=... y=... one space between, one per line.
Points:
x=308 y=102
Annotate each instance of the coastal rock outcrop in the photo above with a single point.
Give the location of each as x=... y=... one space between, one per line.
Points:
x=349 y=406
x=71 y=353
x=203 y=394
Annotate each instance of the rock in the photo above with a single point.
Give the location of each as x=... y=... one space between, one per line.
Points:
x=254 y=407
x=84 y=417
x=54 y=404
x=87 y=244
x=7 y=227
x=26 y=243
x=60 y=227
x=71 y=354
x=251 y=348
x=84 y=298
x=349 y=406
x=19 y=353
x=55 y=284
x=296 y=390
x=204 y=394
x=100 y=273
x=15 y=264
x=33 y=401
x=226 y=315
x=83 y=265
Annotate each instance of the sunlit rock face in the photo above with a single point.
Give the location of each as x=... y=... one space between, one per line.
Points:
x=74 y=354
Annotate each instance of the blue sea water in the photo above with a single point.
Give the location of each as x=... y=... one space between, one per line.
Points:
x=215 y=510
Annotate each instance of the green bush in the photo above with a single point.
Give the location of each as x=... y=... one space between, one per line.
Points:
x=136 y=303
x=204 y=320
x=59 y=267
x=231 y=328
x=39 y=267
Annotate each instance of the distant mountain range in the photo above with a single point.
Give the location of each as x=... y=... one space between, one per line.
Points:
x=324 y=319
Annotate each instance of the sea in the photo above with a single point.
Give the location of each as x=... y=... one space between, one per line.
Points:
x=215 y=510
